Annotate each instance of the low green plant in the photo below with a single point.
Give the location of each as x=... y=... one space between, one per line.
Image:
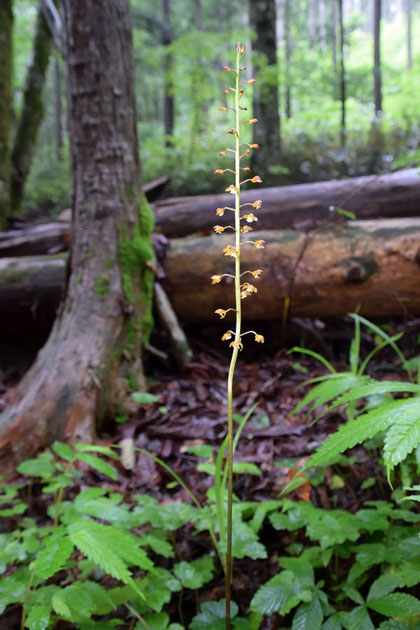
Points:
x=108 y=558
x=396 y=421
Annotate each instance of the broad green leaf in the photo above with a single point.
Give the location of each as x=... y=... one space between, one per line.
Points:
x=157 y=541
x=42 y=467
x=38 y=618
x=245 y=542
x=308 y=616
x=396 y=605
x=364 y=427
x=13 y=588
x=155 y=621
x=280 y=594
x=73 y=603
x=63 y=450
x=239 y=468
x=359 y=619
x=384 y=585
x=402 y=437
x=333 y=623
x=369 y=554
x=334 y=385
x=392 y=624
x=263 y=509
x=123 y=543
x=103 y=508
x=196 y=573
x=202 y=450
x=144 y=398
x=98 y=464
x=102 y=602
x=212 y=616
x=53 y=556
x=96 y=448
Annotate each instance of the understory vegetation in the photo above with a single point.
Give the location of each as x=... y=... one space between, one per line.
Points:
x=98 y=557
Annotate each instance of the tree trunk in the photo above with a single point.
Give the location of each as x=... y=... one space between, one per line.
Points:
x=168 y=98
x=408 y=8
x=6 y=63
x=95 y=342
x=329 y=271
x=377 y=76
x=342 y=75
x=288 y=55
x=305 y=204
x=32 y=112
x=266 y=133
x=333 y=37
x=58 y=111
x=322 y=26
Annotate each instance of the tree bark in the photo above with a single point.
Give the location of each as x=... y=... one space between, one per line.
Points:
x=305 y=204
x=32 y=112
x=95 y=342
x=328 y=271
x=266 y=133
x=58 y=111
x=377 y=75
x=6 y=63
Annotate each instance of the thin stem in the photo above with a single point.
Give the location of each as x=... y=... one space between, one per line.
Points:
x=235 y=348
x=25 y=600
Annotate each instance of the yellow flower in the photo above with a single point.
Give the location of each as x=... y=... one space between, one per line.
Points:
x=230 y=251
x=249 y=288
x=256 y=180
x=259 y=338
x=221 y=312
x=220 y=212
x=218 y=229
x=246 y=228
x=257 y=273
x=259 y=244
x=218 y=171
x=254 y=146
x=236 y=344
x=250 y=217
x=227 y=335
x=257 y=204
x=253 y=120
x=231 y=189
x=215 y=279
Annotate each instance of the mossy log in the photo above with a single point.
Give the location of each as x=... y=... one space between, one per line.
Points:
x=303 y=205
x=371 y=265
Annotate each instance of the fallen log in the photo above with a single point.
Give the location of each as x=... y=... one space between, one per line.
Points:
x=52 y=238
x=305 y=205
x=371 y=265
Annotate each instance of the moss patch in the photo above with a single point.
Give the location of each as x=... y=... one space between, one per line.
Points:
x=135 y=254
x=102 y=285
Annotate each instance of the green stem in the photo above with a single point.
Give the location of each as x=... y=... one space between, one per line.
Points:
x=237 y=342
x=25 y=600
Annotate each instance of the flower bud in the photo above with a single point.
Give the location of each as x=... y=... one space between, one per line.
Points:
x=256 y=180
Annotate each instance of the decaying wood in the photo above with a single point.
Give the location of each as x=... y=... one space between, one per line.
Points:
x=180 y=347
x=384 y=196
x=373 y=265
x=51 y=238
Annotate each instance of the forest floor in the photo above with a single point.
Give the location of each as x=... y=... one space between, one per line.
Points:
x=191 y=410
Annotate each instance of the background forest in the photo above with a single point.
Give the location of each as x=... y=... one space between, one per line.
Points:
x=180 y=48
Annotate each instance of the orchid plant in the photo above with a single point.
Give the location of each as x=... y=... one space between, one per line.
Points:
x=243 y=289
